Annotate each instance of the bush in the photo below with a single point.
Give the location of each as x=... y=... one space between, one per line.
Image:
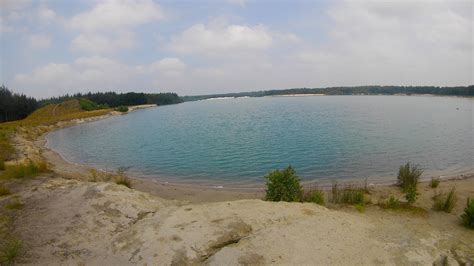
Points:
x=468 y=215
x=122 y=109
x=2 y=164
x=4 y=191
x=411 y=194
x=444 y=202
x=283 y=185
x=350 y=194
x=434 y=182
x=408 y=176
x=315 y=196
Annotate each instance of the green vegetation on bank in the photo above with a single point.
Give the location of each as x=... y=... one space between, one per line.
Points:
x=283 y=185
x=113 y=99
x=47 y=115
x=21 y=171
x=122 y=109
x=468 y=215
x=360 y=90
x=17 y=106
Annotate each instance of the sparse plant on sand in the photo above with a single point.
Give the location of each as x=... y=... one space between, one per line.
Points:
x=10 y=251
x=434 y=183
x=411 y=194
x=468 y=215
x=121 y=178
x=349 y=194
x=315 y=195
x=25 y=170
x=283 y=185
x=15 y=204
x=4 y=190
x=408 y=176
x=392 y=203
x=122 y=109
x=445 y=202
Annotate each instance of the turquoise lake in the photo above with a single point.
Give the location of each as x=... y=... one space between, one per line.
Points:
x=237 y=141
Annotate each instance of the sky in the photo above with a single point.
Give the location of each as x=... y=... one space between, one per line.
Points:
x=50 y=48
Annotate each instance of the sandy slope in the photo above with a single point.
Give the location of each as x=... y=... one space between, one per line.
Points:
x=73 y=222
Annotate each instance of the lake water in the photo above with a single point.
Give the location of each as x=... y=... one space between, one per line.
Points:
x=237 y=141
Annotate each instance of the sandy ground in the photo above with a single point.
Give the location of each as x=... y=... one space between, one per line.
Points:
x=68 y=220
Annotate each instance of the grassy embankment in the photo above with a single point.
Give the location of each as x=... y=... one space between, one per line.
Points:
x=29 y=128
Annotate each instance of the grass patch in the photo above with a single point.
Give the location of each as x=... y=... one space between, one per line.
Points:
x=445 y=202
x=434 y=183
x=468 y=215
x=4 y=191
x=10 y=251
x=123 y=180
x=360 y=208
x=348 y=194
x=21 y=171
x=2 y=164
x=15 y=204
x=315 y=195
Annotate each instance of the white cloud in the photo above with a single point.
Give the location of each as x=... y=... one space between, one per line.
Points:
x=214 y=39
x=39 y=41
x=406 y=43
x=103 y=43
x=46 y=15
x=168 y=66
x=241 y=3
x=100 y=73
x=117 y=15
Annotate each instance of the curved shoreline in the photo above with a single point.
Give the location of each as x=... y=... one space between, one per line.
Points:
x=188 y=191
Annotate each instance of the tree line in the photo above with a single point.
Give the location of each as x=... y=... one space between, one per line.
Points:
x=15 y=106
x=360 y=90
x=113 y=99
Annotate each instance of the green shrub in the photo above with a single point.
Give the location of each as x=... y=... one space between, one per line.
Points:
x=4 y=191
x=283 y=185
x=2 y=164
x=434 y=182
x=315 y=196
x=392 y=203
x=349 y=194
x=122 y=109
x=10 y=251
x=446 y=203
x=411 y=194
x=408 y=176
x=468 y=215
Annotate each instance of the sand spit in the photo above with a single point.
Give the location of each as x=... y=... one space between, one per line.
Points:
x=68 y=220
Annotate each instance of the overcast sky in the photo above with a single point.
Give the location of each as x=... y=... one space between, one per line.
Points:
x=199 y=47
